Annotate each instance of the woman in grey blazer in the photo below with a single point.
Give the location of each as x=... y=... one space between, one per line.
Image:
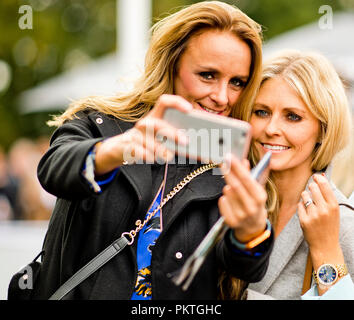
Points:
x=302 y=116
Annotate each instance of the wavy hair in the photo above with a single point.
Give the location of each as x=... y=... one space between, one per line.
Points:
x=169 y=39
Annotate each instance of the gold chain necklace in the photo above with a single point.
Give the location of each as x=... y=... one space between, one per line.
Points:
x=132 y=234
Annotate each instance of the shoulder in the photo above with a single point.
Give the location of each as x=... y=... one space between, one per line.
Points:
x=342 y=199
x=351 y=198
x=346 y=214
x=106 y=124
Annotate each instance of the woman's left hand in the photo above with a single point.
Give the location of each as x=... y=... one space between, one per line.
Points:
x=243 y=201
x=320 y=220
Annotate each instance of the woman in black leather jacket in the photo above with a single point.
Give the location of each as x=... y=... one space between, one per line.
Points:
x=207 y=57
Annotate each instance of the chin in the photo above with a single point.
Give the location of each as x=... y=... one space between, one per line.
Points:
x=277 y=165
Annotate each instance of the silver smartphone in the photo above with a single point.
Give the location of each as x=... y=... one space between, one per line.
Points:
x=210 y=136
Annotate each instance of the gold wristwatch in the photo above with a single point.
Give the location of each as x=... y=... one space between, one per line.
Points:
x=327 y=274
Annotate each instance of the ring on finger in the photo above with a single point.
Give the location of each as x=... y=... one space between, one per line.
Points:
x=308 y=202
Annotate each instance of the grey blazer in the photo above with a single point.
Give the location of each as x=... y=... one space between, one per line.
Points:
x=285 y=274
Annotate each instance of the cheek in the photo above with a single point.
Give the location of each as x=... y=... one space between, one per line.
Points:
x=257 y=127
x=303 y=143
x=186 y=85
x=233 y=96
x=305 y=137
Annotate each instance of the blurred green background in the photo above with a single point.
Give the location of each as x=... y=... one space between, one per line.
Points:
x=69 y=33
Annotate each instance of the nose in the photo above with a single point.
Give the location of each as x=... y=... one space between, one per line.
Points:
x=273 y=126
x=220 y=94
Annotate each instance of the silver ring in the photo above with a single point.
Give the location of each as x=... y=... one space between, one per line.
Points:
x=308 y=202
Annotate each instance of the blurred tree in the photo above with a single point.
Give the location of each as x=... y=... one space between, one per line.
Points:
x=67 y=33
x=64 y=34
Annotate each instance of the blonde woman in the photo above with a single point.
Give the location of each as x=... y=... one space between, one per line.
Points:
x=302 y=116
x=207 y=57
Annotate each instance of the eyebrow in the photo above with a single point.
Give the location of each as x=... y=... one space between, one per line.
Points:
x=293 y=109
x=212 y=69
x=261 y=105
x=243 y=78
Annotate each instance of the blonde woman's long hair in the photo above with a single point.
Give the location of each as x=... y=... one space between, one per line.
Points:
x=316 y=81
x=169 y=39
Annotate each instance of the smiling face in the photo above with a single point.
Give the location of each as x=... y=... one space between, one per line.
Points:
x=282 y=123
x=213 y=70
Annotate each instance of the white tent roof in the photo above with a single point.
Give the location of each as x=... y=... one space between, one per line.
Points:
x=104 y=75
x=336 y=43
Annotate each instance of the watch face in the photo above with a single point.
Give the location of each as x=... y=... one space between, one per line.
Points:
x=327 y=274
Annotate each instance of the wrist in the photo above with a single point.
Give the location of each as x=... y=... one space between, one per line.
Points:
x=333 y=255
x=107 y=157
x=253 y=242
x=244 y=236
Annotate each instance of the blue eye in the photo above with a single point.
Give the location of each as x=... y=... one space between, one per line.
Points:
x=238 y=83
x=206 y=75
x=294 y=117
x=261 y=113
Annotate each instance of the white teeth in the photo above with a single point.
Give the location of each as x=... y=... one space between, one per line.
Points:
x=275 y=148
x=209 y=110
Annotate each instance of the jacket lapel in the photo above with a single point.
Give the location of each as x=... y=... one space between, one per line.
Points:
x=140 y=178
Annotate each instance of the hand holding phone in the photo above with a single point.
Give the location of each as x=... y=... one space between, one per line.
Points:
x=243 y=201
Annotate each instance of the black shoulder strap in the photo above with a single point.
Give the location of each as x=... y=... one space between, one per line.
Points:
x=92 y=266
x=346 y=205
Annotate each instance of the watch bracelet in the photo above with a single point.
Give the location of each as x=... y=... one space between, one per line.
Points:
x=342 y=271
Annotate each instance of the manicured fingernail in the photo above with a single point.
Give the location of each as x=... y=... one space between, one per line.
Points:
x=182 y=140
x=182 y=137
x=225 y=167
x=228 y=159
x=319 y=177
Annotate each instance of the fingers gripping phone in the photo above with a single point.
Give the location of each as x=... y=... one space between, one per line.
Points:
x=210 y=136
